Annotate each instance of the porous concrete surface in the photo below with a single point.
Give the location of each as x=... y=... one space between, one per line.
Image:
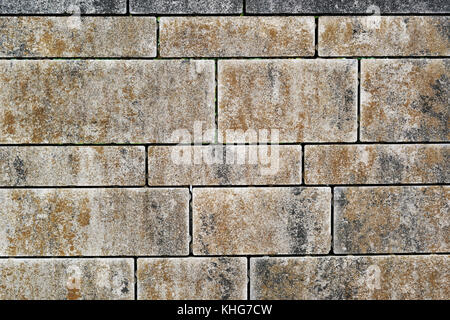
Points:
x=223 y=278
x=272 y=221
x=377 y=164
x=224 y=165
x=67 y=279
x=78 y=36
x=72 y=166
x=373 y=7
x=391 y=219
x=74 y=7
x=350 y=278
x=405 y=100
x=94 y=222
x=384 y=36
x=236 y=36
x=103 y=101
x=306 y=100
x=186 y=6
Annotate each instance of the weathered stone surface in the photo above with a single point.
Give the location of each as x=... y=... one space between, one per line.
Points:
x=66 y=279
x=186 y=7
x=60 y=7
x=405 y=100
x=91 y=222
x=224 y=165
x=103 y=101
x=261 y=221
x=379 y=277
x=391 y=219
x=236 y=36
x=72 y=166
x=306 y=100
x=78 y=37
x=347 y=6
x=384 y=36
x=192 y=279
x=377 y=164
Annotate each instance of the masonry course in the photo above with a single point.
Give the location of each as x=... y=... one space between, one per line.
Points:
x=103 y=101
x=396 y=219
x=67 y=279
x=384 y=36
x=224 y=165
x=94 y=222
x=72 y=166
x=261 y=221
x=354 y=278
x=192 y=278
x=186 y=7
x=373 y=7
x=236 y=36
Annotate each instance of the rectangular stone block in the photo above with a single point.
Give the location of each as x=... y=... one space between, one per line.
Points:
x=186 y=6
x=103 y=101
x=222 y=278
x=384 y=36
x=247 y=221
x=306 y=100
x=236 y=36
x=347 y=6
x=63 y=7
x=72 y=166
x=405 y=100
x=377 y=164
x=350 y=278
x=78 y=36
x=224 y=165
x=94 y=222
x=67 y=279
x=391 y=219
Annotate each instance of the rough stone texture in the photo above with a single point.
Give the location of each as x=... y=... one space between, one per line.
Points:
x=236 y=36
x=186 y=6
x=261 y=221
x=103 y=101
x=377 y=164
x=192 y=279
x=347 y=6
x=78 y=37
x=384 y=36
x=72 y=166
x=63 y=7
x=379 y=277
x=225 y=165
x=405 y=100
x=66 y=279
x=91 y=222
x=391 y=219
x=306 y=100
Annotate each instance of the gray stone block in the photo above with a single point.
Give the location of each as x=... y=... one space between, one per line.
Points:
x=186 y=6
x=62 y=7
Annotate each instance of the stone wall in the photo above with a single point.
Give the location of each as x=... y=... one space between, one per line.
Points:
x=258 y=149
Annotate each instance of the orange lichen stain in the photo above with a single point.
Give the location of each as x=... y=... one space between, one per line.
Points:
x=85 y=213
x=73 y=294
x=9 y=122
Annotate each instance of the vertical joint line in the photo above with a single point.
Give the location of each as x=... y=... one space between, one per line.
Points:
x=146 y=166
x=157 y=38
x=216 y=101
x=128 y=8
x=135 y=279
x=248 y=278
x=332 y=221
x=243 y=7
x=358 y=110
x=191 y=234
x=316 y=37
